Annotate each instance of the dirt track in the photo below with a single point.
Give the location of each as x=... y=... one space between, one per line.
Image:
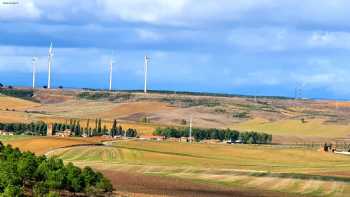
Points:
x=130 y=184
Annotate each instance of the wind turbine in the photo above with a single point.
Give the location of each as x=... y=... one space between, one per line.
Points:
x=146 y=70
x=34 y=70
x=49 y=66
x=110 y=74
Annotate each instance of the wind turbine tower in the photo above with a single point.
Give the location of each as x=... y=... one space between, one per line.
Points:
x=49 y=66
x=110 y=74
x=34 y=70
x=146 y=70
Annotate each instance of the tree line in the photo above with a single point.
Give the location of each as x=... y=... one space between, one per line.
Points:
x=19 y=93
x=217 y=134
x=93 y=128
x=24 y=174
x=34 y=128
x=90 y=129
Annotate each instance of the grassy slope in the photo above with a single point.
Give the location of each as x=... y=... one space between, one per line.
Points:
x=263 y=167
x=96 y=109
x=314 y=127
x=7 y=102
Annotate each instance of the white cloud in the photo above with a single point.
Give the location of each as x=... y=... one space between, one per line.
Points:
x=19 y=10
x=155 y=11
x=148 y=35
x=261 y=39
x=330 y=40
x=184 y=12
x=276 y=38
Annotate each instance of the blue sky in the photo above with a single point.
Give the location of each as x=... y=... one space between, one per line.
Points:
x=264 y=47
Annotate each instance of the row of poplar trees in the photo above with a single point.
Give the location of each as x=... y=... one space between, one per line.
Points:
x=96 y=130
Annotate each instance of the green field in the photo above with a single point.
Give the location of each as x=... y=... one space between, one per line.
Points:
x=276 y=168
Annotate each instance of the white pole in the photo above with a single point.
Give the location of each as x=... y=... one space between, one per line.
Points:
x=336 y=109
x=191 y=129
x=110 y=75
x=49 y=68
x=146 y=70
x=34 y=70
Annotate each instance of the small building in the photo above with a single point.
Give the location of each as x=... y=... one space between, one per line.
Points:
x=6 y=133
x=238 y=142
x=117 y=137
x=187 y=139
x=65 y=133
x=106 y=136
x=152 y=137
x=212 y=141
x=173 y=139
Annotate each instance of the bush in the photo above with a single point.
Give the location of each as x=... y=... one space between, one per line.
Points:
x=241 y=115
x=12 y=191
x=25 y=94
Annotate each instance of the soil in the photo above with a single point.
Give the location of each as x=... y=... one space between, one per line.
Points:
x=132 y=184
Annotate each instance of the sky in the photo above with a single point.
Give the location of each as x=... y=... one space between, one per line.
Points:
x=260 y=47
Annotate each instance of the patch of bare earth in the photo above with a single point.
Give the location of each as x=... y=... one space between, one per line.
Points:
x=132 y=184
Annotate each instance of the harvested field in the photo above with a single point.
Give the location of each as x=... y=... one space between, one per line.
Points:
x=7 y=102
x=268 y=168
x=41 y=145
x=139 y=185
x=275 y=116
x=5 y=138
x=312 y=128
x=251 y=157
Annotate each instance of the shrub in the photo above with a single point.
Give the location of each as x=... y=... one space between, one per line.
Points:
x=12 y=191
x=241 y=115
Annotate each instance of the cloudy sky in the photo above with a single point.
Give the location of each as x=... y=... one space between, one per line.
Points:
x=264 y=47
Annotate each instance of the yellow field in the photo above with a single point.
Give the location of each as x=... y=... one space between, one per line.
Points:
x=281 y=122
x=41 y=145
x=7 y=102
x=273 y=168
x=313 y=127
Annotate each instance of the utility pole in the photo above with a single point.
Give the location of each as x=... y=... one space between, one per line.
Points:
x=191 y=129
x=336 y=109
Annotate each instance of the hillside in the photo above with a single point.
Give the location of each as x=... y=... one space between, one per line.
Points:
x=293 y=120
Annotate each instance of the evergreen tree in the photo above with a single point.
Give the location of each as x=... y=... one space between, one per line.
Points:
x=114 y=128
x=99 y=127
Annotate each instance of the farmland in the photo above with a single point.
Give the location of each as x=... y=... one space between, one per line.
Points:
x=296 y=171
x=42 y=145
x=189 y=169
x=282 y=117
